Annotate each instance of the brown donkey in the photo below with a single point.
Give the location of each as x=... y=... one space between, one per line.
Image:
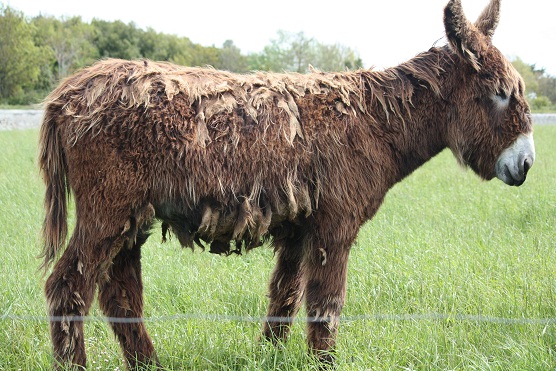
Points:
x=233 y=160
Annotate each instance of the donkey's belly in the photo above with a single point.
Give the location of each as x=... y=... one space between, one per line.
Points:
x=245 y=224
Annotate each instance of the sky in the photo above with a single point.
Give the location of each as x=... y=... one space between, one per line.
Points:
x=383 y=32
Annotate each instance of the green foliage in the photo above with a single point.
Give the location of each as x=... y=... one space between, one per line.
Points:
x=20 y=58
x=540 y=87
x=161 y=47
x=295 y=52
x=527 y=72
x=539 y=103
x=446 y=253
x=547 y=86
x=116 y=39
x=69 y=44
x=231 y=59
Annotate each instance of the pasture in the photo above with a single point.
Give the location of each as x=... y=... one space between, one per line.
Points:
x=453 y=273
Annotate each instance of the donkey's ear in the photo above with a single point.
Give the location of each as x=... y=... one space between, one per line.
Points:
x=466 y=40
x=488 y=20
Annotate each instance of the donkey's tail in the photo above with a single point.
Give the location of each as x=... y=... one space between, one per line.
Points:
x=53 y=166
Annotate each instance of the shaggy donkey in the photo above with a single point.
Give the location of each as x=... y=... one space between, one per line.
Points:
x=233 y=160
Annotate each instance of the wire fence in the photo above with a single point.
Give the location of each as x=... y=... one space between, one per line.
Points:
x=417 y=317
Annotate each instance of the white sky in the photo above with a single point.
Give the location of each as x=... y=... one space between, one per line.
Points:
x=384 y=33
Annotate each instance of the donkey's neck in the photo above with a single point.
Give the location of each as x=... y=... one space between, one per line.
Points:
x=407 y=111
x=419 y=140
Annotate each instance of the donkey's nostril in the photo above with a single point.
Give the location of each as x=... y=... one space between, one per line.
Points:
x=527 y=163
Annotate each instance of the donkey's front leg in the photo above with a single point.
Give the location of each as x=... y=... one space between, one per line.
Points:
x=326 y=272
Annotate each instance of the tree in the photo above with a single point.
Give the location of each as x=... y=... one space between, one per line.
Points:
x=69 y=40
x=116 y=39
x=19 y=57
x=154 y=45
x=540 y=102
x=547 y=87
x=540 y=87
x=336 y=58
x=230 y=58
x=289 y=52
x=180 y=50
x=301 y=52
x=528 y=73
x=296 y=52
x=205 y=56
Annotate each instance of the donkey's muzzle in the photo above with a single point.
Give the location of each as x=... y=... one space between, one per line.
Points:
x=516 y=160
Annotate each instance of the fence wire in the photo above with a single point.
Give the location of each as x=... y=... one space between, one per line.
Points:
x=431 y=317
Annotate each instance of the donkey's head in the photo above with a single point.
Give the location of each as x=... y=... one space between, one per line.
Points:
x=489 y=122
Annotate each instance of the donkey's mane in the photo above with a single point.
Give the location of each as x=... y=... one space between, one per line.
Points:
x=88 y=95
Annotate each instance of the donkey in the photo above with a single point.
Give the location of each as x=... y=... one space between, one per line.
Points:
x=230 y=161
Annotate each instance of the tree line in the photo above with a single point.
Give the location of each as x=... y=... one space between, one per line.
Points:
x=36 y=53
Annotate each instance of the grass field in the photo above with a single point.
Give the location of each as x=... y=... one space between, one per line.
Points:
x=453 y=274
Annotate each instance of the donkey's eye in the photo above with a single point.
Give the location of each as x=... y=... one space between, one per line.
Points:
x=501 y=95
x=501 y=99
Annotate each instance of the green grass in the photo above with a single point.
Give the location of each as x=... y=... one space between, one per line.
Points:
x=445 y=258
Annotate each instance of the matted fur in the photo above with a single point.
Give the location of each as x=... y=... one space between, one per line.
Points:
x=232 y=160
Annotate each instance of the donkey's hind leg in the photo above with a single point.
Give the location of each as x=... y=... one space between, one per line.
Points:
x=121 y=296
x=69 y=292
x=285 y=289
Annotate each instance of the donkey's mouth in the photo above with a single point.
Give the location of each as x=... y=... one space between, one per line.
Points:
x=508 y=178
x=516 y=160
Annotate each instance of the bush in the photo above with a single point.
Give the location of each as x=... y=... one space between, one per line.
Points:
x=541 y=102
